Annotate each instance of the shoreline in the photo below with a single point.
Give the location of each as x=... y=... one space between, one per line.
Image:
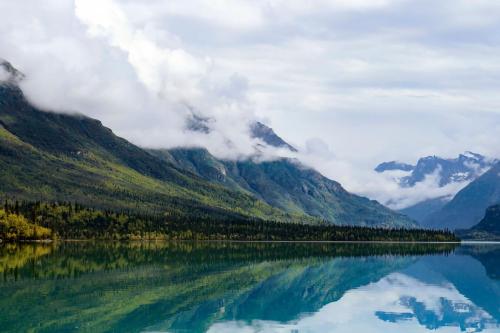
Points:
x=244 y=241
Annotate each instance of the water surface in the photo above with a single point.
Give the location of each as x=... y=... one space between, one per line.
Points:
x=249 y=287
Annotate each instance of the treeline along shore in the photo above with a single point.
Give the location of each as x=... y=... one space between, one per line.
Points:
x=26 y=220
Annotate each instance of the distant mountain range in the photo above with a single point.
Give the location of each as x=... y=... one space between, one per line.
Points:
x=50 y=156
x=468 y=206
x=473 y=210
x=465 y=168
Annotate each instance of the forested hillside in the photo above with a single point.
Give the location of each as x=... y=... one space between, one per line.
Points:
x=48 y=156
x=59 y=157
x=288 y=185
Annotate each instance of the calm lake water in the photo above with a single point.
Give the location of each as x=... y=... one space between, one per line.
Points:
x=249 y=287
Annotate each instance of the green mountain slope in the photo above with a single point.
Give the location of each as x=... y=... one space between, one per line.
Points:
x=289 y=186
x=468 y=206
x=48 y=156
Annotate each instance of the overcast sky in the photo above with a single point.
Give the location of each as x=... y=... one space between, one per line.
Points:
x=350 y=82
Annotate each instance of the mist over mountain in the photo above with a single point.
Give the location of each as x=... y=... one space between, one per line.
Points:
x=266 y=134
x=466 y=166
x=271 y=166
x=71 y=157
x=143 y=69
x=444 y=176
x=257 y=130
x=9 y=74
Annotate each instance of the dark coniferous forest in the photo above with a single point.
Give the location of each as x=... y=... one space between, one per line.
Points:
x=34 y=220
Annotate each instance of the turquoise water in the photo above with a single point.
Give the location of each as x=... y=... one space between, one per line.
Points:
x=249 y=287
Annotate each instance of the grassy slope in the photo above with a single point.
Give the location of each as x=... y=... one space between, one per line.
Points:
x=289 y=186
x=47 y=156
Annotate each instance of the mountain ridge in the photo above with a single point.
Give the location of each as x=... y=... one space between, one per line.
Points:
x=465 y=168
x=60 y=157
x=288 y=185
x=468 y=206
x=55 y=156
x=487 y=229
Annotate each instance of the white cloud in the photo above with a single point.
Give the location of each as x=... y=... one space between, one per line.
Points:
x=429 y=188
x=4 y=75
x=166 y=72
x=142 y=86
x=373 y=80
x=383 y=187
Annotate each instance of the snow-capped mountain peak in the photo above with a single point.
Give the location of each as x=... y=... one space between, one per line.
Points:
x=433 y=181
x=465 y=167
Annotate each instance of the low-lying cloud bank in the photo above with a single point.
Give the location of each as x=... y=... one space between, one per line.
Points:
x=383 y=187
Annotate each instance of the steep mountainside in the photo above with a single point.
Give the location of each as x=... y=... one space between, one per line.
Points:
x=420 y=211
x=287 y=185
x=488 y=228
x=468 y=206
x=48 y=156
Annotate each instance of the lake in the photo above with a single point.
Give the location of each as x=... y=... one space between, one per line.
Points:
x=249 y=287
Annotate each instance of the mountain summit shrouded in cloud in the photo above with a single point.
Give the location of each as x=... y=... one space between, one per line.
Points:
x=406 y=83
x=258 y=130
x=9 y=74
x=108 y=67
x=97 y=168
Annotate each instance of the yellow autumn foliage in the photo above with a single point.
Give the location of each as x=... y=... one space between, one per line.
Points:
x=15 y=227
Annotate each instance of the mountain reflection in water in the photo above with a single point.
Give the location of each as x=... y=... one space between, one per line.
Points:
x=249 y=287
